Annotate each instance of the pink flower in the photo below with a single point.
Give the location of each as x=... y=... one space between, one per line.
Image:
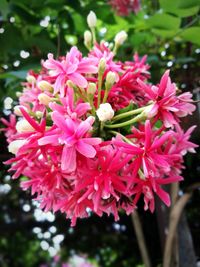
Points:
x=102 y=51
x=148 y=153
x=164 y=98
x=72 y=67
x=127 y=89
x=182 y=145
x=30 y=150
x=74 y=209
x=99 y=186
x=152 y=185
x=102 y=180
x=10 y=129
x=69 y=107
x=138 y=65
x=124 y=7
x=184 y=106
x=167 y=106
x=73 y=136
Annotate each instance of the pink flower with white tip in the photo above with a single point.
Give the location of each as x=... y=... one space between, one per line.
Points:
x=72 y=67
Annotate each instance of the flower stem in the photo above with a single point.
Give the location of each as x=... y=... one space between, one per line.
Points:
x=105 y=95
x=93 y=35
x=123 y=137
x=91 y=104
x=128 y=113
x=101 y=126
x=115 y=49
x=100 y=80
x=126 y=123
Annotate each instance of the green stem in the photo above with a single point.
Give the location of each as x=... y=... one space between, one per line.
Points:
x=80 y=93
x=126 y=123
x=115 y=49
x=100 y=80
x=93 y=35
x=128 y=113
x=90 y=100
x=123 y=137
x=101 y=126
x=105 y=95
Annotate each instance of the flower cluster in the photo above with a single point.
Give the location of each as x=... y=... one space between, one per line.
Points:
x=92 y=134
x=125 y=7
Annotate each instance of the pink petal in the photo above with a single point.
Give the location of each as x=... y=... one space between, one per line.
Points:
x=147 y=89
x=85 y=149
x=31 y=121
x=60 y=121
x=169 y=180
x=68 y=160
x=148 y=134
x=60 y=83
x=164 y=196
x=87 y=66
x=78 y=79
x=163 y=83
x=52 y=139
x=82 y=129
x=92 y=141
x=82 y=108
x=160 y=141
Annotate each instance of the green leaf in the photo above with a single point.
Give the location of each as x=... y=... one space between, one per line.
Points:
x=192 y=35
x=142 y=38
x=173 y=7
x=79 y=22
x=164 y=33
x=71 y=39
x=164 y=22
x=14 y=74
x=25 y=13
x=11 y=40
x=131 y=106
x=188 y=3
x=4 y=8
x=184 y=60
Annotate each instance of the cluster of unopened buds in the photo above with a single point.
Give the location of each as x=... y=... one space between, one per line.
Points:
x=91 y=134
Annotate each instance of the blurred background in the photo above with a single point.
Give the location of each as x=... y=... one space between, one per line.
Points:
x=168 y=32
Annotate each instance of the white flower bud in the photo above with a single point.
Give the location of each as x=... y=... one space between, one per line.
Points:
x=44 y=99
x=110 y=78
x=30 y=79
x=120 y=37
x=14 y=146
x=18 y=94
x=148 y=111
x=91 y=88
x=91 y=19
x=105 y=112
x=24 y=126
x=87 y=38
x=102 y=65
x=45 y=86
x=8 y=103
x=17 y=110
x=39 y=114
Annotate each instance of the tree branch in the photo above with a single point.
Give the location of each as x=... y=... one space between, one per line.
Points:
x=140 y=238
